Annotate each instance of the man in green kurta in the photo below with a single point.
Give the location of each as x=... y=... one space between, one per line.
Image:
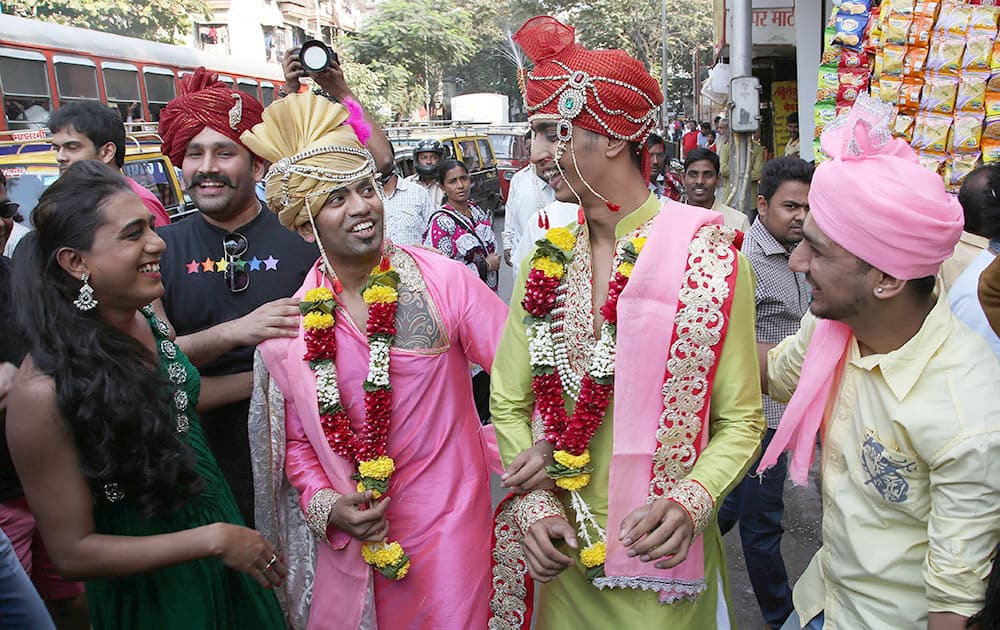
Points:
x=617 y=490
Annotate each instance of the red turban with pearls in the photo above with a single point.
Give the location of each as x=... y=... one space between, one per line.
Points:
x=205 y=102
x=604 y=91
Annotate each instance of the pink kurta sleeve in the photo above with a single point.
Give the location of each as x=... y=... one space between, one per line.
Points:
x=481 y=320
x=306 y=474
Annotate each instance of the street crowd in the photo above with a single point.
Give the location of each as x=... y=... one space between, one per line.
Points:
x=286 y=409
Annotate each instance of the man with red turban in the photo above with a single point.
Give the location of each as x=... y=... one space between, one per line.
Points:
x=645 y=303
x=230 y=268
x=904 y=397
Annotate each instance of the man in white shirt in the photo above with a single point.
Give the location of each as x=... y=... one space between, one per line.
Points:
x=528 y=194
x=701 y=179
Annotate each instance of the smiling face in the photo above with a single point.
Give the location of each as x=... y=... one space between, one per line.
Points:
x=700 y=180
x=563 y=175
x=124 y=259
x=841 y=283
x=220 y=174
x=350 y=223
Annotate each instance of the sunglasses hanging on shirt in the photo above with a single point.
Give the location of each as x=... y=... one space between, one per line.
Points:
x=237 y=275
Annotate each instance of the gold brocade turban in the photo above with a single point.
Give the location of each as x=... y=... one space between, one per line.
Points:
x=314 y=148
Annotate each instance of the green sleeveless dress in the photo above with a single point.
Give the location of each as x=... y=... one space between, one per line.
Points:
x=203 y=594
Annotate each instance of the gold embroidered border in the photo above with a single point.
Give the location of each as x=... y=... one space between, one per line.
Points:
x=699 y=323
x=510 y=573
x=578 y=304
x=319 y=509
x=695 y=499
x=409 y=275
x=535 y=506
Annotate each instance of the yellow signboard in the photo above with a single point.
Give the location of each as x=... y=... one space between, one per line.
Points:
x=785 y=101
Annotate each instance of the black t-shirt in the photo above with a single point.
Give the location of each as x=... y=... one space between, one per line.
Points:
x=196 y=297
x=11 y=351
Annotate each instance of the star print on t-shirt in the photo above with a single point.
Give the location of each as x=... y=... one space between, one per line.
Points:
x=270 y=263
x=193 y=266
x=255 y=264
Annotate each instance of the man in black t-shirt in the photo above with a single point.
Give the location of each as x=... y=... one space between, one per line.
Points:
x=228 y=270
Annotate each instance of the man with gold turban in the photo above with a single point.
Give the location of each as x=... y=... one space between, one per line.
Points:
x=905 y=398
x=367 y=417
x=631 y=342
x=228 y=269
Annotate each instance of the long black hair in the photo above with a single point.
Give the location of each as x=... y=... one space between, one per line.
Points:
x=109 y=388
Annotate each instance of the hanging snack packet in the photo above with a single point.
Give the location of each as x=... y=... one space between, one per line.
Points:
x=939 y=94
x=966 y=134
x=991 y=128
x=933 y=163
x=920 y=31
x=961 y=166
x=915 y=62
x=909 y=95
x=902 y=127
x=853 y=59
x=954 y=18
x=991 y=151
x=928 y=8
x=850 y=29
x=888 y=88
x=992 y=103
x=897 y=29
x=931 y=133
x=971 y=93
x=893 y=59
x=945 y=56
x=899 y=6
x=984 y=20
x=854 y=7
x=977 y=53
x=825 y=113
x=829 y=84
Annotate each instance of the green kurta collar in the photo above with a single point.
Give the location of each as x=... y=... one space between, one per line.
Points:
x=637 y=217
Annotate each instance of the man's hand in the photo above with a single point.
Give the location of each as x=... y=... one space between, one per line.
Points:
x=7 y=372
x=527 y=471
x=661 y=529
x=332 y=80
x=294 y=71
x=368 y=525
x=545 y=562
x=279 y=318
x=506 y=257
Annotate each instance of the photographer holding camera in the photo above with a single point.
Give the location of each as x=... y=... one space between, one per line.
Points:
x=11 y=229
x=329 y=77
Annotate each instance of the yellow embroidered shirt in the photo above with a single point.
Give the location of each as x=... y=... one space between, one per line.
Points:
x=911 y=477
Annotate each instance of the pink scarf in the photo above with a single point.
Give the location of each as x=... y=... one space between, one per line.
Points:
x=874 y=199
x=650 y=302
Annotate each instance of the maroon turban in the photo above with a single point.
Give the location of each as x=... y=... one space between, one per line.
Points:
x=206 y=102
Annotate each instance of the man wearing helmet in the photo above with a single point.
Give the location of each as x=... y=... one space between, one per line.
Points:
x=426 y=156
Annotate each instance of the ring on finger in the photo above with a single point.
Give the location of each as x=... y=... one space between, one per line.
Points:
x=274 y=558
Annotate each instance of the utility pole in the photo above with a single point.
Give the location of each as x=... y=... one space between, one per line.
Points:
x=664 y=118
x=744 y=98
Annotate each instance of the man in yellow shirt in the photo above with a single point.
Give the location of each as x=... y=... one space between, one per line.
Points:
x=905 y=399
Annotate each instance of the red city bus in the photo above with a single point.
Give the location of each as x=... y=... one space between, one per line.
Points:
x=44 y=65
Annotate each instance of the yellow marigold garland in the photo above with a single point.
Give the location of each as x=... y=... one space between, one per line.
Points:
x=572 y=461
x=574 y=483
x=317 y=320
x=319 y=294
x=562 y=238
x=594 y=555
x=626 y=269
x=378 y=468
x=379 y=293
x=549 y=267
x=638 y=243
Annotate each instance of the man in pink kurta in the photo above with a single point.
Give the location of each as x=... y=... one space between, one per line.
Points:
x=440 y=508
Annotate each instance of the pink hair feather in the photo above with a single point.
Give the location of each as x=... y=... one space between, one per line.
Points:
x=357 y=120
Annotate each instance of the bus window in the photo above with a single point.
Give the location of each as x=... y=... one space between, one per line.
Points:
x=25 y=86
x=248 y=87
x=121 y=85
x=267 y=93
x=160 y=89
x=76 y=79
x=228 y=81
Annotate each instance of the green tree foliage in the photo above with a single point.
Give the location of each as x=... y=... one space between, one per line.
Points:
x=423 y=37
x=156 y=20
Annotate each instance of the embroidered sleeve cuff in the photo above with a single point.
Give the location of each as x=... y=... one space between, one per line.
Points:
x=696 y=501
x=535 y=506
x=318 y=513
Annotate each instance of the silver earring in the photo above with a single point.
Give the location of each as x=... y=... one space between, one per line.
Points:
x=878 y=290
x=85 y=301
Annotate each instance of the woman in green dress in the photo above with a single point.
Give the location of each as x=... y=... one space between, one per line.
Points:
x=103 y=432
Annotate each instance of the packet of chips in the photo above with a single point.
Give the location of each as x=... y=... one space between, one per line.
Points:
x=825 y=113
x=854 y=7
x=931 y=133
x=915 y=62
x=995 y=56
x=850 y=29
x=829 y=84
x=933 y=163
x=920 y=31
x=991 y=128
x=853 y=59
x=945 y=56
x=992 y=103
x=977 y=53
x=939 y=94
x=873 y=37
x=893 y=60
x=984 y=20
x=899 y=6
x=909 y=95
x=902 y=127
x=954 y=19
x=928 y=8
x=889 y=87
x=897 y=29
x=961 y=166
x=831 y=54
x=966 y=133
x=991 y=151
x=971 y=93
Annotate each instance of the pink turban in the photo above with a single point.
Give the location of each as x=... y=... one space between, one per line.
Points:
x=875 y=200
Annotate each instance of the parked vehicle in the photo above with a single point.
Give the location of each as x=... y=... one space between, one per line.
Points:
x=44 y=65
x=31 y=166
x=511 y=151
x=471 y=146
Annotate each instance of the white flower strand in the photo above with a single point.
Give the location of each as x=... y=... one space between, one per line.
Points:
x=540 y=345
x=585 y=519
x=378 y=363
x=602 y=362
x=327 y=388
